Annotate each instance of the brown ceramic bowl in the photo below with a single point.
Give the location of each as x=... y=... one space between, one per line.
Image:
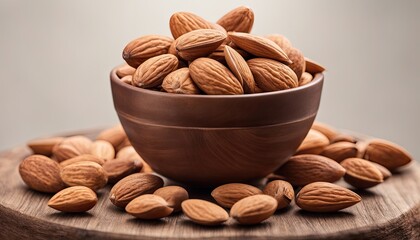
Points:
x=210 y=140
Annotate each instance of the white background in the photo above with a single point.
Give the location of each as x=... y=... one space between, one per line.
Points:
x=55 y=57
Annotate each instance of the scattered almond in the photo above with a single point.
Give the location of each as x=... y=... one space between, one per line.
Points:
x=148 y=206
x=81 y=158
x=282 y=191
x=361 y=173
x=228 y=194
x=84 y=173
x=174 y=195
x=74 y=199
x=342 y=137
x=44 y=146
x=204 y=212
x=72 y=147
x=340 y=150
x=253 y=209
x=114 y=135
x=387 y=154
x=117 y=169
x=103 y=150
x=385 y=172
x=314 y=143
x=325 y=129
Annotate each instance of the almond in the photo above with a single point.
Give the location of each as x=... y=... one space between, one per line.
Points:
x=387 y=154
x=281 y=41
x=253 y=209
x=340 y=150
x=44 y=146
x=139 y=50
x=204 y=212
x=130 y=153
x=282 y=191
x=84 y=173
x=172 y=49
x=125 y=70
x=179 y=81
x=305 y=79
x=240 y=19
x=298 y=64
x=361 y=173
x=271 y=75
x=313 y=67
x=325 y=197
x=72 y=147
x=184 y=22
x=199 y=43
x=219 y=54
x=81 y=158
x=214 y=78
x=41 y=173
x=228 y=194
x=384 y=171
x=127 y=79
x=133 y=186
x=102 y=149
x=148 y=206
x=307 y=168
x=174 y=195
x=342 y=137
x=325 y=129
x=240 y=69
x=259 y=46
x=74 y=199
x=117 y=169
x=361 y=148
x=152 y=72
x=314 y=143
x=114 y=135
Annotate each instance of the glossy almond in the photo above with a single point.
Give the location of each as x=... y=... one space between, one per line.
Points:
x=387 y=154
x=298 y=64
x=139 y=50
x=72 y=147
x=133 y=186
x=325 y=129
x=81 y=158
x=41 y=173
x=361 y=173
x=240 y=69
x=204 y=212
x=271 y=75
x=214 y=78
x=85 y=173
x=340 y=150
x=152 y=72
x=181 y=23
x=240 y=19
x=254 y=209
x=228 y=194
x=179 y=81
x=74 y=199
x=114 y=135
x=325 y=197
x=307 y=168
x=199 y=43
x=314 y=143
x=305 y=78
x=282 y=191
x=103 y=150
x=281 y=41
x=44 y=146
x=148 y=206
x=313 y=67
x=117 y=169
x=174 y=195
x=125 y=70
x=259 y=46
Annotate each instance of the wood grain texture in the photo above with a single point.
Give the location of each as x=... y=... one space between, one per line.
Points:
x=388 y=211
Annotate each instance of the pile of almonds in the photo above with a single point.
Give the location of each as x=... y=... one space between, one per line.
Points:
x=215 y=58
x=75 y=168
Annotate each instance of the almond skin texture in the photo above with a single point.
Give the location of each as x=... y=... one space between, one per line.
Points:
x=307 y=168
x=148 y=206
x=240 y=69
x=253 y=209
x=74 y=199
x=81 y=158
x=325 y=129
x=133 y=186
x=41 y=173
x=151 y=73
x=282 y=191
x=139 y=50
x=361 y=173
x=228 y=194
x=271 y=75
x=181 y=23
x=125 y=70
x=103 y=150
x=199 y=43
x=114 y=135
x=313 y=67
x=72 y=147
x=214 y=78
x=204 y=212
x=240 y=19
x=281 y=41
x=259 y=46
x=44 y=146
x=117 y=169
x=174 y=195
x=340 y=150
x=298 y=64
x=387 y=154
x=305 y=78
x=179 y=81
x=85 y=173
x=314 y=143
x=325 y=197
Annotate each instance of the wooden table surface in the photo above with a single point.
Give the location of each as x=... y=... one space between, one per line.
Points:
x=388 y=211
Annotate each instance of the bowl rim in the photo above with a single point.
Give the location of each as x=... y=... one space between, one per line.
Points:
x=318 y=77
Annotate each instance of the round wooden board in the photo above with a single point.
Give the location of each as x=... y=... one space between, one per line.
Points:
x=388 y=211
